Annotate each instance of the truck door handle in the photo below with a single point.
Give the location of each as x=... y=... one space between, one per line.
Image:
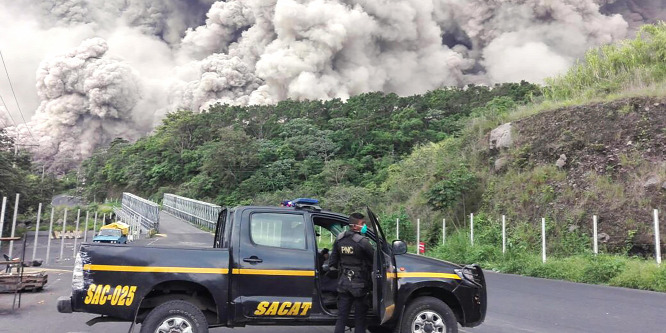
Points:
x=253 y=259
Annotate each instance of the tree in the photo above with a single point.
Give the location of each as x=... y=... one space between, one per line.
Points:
x=450 y=190
x=231 y=158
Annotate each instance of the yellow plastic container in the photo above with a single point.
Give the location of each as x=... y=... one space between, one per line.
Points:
x=123 y=227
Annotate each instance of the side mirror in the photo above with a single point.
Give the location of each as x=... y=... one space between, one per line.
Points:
x=399 y=247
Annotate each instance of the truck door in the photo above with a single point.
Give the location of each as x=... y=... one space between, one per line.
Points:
x=384 y=274
x=274 y=270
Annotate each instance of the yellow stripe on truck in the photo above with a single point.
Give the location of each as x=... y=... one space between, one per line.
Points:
x=278 y=272
x=428 y=275
x=155 y=269
x=242 y=271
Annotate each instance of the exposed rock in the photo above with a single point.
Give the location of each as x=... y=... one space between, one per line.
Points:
x=66 y=200
x=573 y=228
x=651 y=183
x=562 y=161
x=634 y=142
x=603 y=237
x=501 y=163
x=500 y=137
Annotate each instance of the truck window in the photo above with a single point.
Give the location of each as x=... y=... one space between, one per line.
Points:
x=278 y=230
x=110 y=232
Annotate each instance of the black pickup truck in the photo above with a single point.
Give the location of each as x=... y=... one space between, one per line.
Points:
x=265 y=269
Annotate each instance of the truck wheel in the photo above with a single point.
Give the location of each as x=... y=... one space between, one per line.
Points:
x=428 y=314
x=175 y=317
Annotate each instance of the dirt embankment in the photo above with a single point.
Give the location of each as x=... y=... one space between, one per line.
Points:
x=614 y=158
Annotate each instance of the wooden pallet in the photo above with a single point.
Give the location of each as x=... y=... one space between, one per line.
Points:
x=10 y=283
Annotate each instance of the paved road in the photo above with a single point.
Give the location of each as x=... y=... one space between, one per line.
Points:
x=524 y=304
x=516 y=304
x=174 y=232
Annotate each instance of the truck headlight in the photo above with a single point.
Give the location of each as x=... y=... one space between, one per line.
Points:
x=467 y=275
x=77 y=275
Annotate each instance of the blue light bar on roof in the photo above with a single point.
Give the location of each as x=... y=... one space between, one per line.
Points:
x=305 y=201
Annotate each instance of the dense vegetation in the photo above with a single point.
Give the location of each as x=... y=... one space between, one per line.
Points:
x=613 y=68
x=19 y=175
x=338 y=151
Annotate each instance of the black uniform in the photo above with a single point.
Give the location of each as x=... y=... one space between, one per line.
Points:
x=353 y=254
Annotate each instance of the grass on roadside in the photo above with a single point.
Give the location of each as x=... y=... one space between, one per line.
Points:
x=605 y=269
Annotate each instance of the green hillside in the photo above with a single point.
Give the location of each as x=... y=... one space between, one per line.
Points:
x=341 y=152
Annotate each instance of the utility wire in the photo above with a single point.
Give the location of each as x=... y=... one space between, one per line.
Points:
x=15 y=99
x=3 y=123
x=7 y=110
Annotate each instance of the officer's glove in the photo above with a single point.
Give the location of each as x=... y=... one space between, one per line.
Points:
x=325 y=267
x=332 y=272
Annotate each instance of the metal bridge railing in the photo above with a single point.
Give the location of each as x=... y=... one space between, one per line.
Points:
x=133 y=221
x=145 y=211
x=198 y=213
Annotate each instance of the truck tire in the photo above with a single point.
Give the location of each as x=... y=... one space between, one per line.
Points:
x=428 y=314
x=175 y=316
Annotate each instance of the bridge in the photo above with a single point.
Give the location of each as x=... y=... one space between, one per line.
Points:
x=516 y=303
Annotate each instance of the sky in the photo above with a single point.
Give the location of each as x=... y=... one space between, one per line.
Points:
x=88 y=71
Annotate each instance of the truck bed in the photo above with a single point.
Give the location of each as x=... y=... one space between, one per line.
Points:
x=142 y=268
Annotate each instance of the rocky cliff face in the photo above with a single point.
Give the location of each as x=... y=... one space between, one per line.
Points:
x=605 y=159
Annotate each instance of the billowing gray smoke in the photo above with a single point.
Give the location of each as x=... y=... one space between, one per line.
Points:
x=636 y=12
x=86 y=98
x=165 y=55
x=164 y=18
x=326 y=49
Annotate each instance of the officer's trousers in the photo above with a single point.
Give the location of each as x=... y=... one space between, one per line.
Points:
x=345 y=301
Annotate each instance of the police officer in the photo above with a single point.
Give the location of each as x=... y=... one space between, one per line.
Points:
x=353 y=254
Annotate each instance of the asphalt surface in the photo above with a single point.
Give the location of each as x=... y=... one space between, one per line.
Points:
x=515 y=303
x=524 y=304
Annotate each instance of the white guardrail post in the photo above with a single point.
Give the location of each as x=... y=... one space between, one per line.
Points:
x=50 y=235
x=657 y=241
x=62 y=235
x=397 y=228
x=443 y=231
x=543 y=239
x=2 y=216
x=76 y=233
x=595 y=237
x=11 y=243
x=39 y=216
x=198 y=213
x=418 y=235
x=503 y=234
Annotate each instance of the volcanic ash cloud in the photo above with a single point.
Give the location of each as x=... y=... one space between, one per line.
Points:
x=174 y=54
x=86 y=100
x=325 y=49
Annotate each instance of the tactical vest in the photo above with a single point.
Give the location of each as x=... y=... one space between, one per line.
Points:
x=354 y=270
